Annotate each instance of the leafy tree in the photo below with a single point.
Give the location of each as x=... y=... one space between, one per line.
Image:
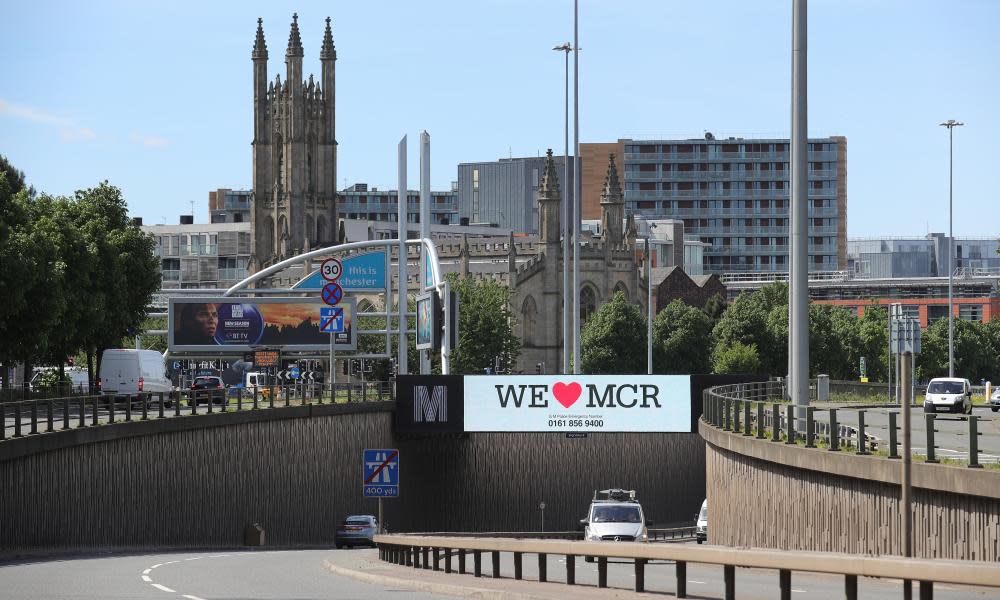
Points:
x=715 y=307
x=17 y=268
x=15 y=177
x=486 y=325
x=736 y=358
x=614 y=339
x=681 y=340
x=972 y=341
x=755 y=319
x=873 y=340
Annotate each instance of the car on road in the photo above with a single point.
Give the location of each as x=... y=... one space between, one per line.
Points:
x=701 y=524
x=208 y=388
x=615 y=516
x=356 y=530
x=994 y=399
x=953 y=394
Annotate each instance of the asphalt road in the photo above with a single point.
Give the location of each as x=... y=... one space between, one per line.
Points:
x=951 y=431
x=291 y=575
x=301 y=575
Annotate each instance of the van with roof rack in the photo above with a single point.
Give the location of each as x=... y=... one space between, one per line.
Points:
x=615 y=515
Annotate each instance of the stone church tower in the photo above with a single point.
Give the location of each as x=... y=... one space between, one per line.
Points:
x=294 y=153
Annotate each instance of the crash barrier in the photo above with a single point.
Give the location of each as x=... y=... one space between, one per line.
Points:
x=655 y=534
x=31 y=417
x=760 y=410
x=432 y=552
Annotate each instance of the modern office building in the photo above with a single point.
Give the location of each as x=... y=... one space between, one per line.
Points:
x=505 y=192
x=230 y=206
x=360 y=201
x=900 y=257
x=203 y=255
x=733 y=194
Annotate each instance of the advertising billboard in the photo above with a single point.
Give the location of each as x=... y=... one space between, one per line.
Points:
x=428 y=331
x=578 y=403
x=221 y=325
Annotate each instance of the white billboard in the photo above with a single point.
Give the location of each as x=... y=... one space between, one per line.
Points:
x=575 y=403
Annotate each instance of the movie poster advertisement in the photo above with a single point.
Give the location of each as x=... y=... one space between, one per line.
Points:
x=226 y=325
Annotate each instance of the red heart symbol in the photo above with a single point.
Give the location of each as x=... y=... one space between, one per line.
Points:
x=567 y=395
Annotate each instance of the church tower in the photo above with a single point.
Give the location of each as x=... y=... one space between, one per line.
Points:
x=549 y=203
x=294 y=153
x=612 y=206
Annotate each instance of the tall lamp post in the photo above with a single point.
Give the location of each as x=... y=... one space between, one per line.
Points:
x=951 y=124
x=567 y=290
x=576 y=189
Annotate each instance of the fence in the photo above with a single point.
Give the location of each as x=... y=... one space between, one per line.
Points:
x=429 y=552
x=31 y=417
x=752 y=409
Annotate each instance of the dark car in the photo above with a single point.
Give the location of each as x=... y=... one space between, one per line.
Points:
x=356 y=530
x=208 y=389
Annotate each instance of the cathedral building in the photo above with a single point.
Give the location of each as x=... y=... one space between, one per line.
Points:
x=294 y=153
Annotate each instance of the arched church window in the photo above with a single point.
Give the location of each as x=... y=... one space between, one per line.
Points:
x=321 y=234
x=282 y=227
x=588 y=303
x=268 y=235
x=310 y=229
x=529 y=317
x=620 y=287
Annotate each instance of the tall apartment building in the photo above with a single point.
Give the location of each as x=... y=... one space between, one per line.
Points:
x=230 y=206
x=504 y=192
x=372 y=204
x=733 y=194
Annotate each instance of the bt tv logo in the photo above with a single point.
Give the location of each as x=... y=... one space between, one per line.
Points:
x=610 y=395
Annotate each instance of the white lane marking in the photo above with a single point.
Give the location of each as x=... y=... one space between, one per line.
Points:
x=146 y=578
x=171 y=562
x=194 y=558
x=191 y=597
x=156 y=565
x=146 y=572
x=163 y=588
x=693 y=581
x=799 y=591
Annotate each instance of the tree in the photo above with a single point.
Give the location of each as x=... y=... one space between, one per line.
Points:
x=15 y=177
x=972 y=342
x=17 y=267
x=736 y=358
x=486 y=325
x=614 y=339
x=715 y=307
x=681 y=340
x=756 y=319
x=873 y=340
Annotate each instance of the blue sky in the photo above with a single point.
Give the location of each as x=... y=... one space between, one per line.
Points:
x=155 y=96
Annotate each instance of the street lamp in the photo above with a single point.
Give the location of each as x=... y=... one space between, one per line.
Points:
x=951 y=124
x=567 y=290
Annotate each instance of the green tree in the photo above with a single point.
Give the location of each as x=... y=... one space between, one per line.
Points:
x=486 y=325
x=715 y=307
x=614 y=339
x=972 y=341
x=681 y=340
x=873 y=340
x=756 y=319
x=736 y=358
x=18 y=271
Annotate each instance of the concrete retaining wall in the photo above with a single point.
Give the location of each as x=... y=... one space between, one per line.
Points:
x=771 y=495
x=196 y=482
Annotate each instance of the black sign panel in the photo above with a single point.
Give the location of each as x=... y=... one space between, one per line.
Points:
x=430 y=404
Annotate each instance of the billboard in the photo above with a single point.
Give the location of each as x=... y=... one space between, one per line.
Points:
x=428 y=330
x=220 y=325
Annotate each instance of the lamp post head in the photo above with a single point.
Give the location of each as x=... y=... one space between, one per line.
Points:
x=564 y=48
x=951 y=123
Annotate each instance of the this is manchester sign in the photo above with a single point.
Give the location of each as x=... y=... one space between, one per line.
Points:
x=590 y=403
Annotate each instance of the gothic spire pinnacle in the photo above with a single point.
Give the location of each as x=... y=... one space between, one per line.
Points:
x=328 y=52
x=611 y=193
x=259 y=45
x=549 y=189
x=294 y=41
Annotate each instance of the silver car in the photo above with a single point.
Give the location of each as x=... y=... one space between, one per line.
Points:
x=356 y=530
x=615 y=516
x=994 y=400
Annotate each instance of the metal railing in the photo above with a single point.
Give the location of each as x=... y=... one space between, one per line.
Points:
x=761 y=410
x=431 y=552
x=23 y=418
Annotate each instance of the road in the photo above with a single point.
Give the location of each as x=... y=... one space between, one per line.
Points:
x=298 y=575
x=303 y=575
x=951 y=431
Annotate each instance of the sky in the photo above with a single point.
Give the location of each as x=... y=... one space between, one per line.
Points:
x=156 y=96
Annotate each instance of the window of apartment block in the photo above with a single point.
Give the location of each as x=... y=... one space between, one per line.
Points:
x=817 y=203
x=817 y=241
x=647 y=168
x=725 y=222
x=730 y=148
x=647 y=186
x=748 y=222
x=748 y=185
x=726 y=167
x=703 y=186
x=647 y=205
x=703 y=222
x=765 y=204
x=726 y=185
x=779 y=260
x=748 y=241
x=765 y=185
x=685 y=204
x=726 y=241
x=685 y=186
x=970 y=312
x=685 y=167
x=647 y=149
x=765 y=260
x=703 y=204
x=668 y=168
x=765 y=166
x=817 y=222
x=685 y=148
x=816 y=185
x=818 y=260
x=765 y=241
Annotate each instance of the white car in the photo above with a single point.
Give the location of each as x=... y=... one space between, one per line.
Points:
x=701 y=526
x=994 y=400
x=948 y=393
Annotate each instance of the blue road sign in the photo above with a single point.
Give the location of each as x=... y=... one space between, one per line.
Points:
x=380 y=469
x=294 y=372
x=331 y=320
x=332 y=293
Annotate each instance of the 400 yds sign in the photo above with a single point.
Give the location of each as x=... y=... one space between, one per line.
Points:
x=598 y=403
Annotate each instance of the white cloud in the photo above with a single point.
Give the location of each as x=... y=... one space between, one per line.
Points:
x=69 y=130
x=149 y=141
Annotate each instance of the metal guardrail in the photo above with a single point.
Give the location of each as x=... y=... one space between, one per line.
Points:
x=655 y=535
x=430 y=552
x=33 y=417
x=760 y=409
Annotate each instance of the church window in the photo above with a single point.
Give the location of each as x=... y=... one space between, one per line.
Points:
x=529 y=316
x=321 y=234
x=588 y=303
x=620 y=287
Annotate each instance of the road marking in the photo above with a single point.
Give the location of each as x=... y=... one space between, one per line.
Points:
x=163 y=588
x=156 y=565
x=693 y=581
x=799 y=591
x=194 y=558
x=146 y=572
x=146 y=578
x=192 y=597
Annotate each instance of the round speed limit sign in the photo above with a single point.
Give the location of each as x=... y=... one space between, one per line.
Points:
x=331 y=269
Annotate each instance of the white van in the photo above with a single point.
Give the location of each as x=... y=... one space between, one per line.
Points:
x=701 y=525
x=133 y=373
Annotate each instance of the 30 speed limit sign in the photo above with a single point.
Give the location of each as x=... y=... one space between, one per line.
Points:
x=331 y=269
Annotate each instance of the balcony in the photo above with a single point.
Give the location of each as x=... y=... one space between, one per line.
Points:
x=202 y=250
x=172 y=275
